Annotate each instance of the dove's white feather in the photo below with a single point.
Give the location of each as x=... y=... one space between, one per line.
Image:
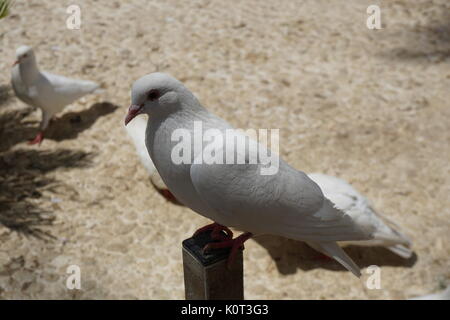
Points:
x=287 y=203
x=345 y=197
x=136 y=132
x=67 y=90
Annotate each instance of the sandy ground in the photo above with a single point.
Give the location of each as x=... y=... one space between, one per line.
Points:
x=370 y=106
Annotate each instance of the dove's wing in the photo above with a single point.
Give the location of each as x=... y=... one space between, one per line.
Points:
x=19 y=87
x=66 y=90
x=287 y=203
x=341 y=193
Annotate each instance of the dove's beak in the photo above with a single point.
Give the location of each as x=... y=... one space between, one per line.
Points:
x=133 y=111
x=15 y=62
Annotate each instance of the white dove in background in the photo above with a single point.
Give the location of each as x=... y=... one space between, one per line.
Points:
x=287 y=204
x=136 y=131
x=340 y=192
x=346 y=198
x=47 y=91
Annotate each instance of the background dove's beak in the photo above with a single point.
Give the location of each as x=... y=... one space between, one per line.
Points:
x=15 y=62
x=133 y=111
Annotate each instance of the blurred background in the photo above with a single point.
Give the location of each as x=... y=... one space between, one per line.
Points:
x=368 y=106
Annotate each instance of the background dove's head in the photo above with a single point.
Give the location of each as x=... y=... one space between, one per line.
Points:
x=24 y=55
x=155 y=92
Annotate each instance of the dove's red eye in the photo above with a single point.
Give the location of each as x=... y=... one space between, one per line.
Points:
x=153 y=94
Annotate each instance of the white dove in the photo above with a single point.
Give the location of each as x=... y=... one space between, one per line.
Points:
x=347 y=199
x=47 y=91
x=286 y=203
x=136 y=131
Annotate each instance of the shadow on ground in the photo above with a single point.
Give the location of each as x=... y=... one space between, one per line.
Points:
x=5 y=94
x=15 y=129
x=71 y=124
x=428 y=42
x=12 y=128
x=290 y=255
x=22 y=183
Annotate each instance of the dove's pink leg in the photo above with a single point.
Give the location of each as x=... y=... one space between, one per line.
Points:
x=216 y=233
x=44 y=124
x=38 y=139
x=234 y=244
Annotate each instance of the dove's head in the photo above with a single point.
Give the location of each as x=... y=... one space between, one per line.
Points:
x=155 y=92
x=24 y=54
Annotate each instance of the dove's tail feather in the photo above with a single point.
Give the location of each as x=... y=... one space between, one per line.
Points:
x=89 y=86
x=98 y=90
x=387 y=234
x=333 y=250
x=67 y=90
x=392 y=236
x=392 y=233
x=401 y=251
x=78 y=89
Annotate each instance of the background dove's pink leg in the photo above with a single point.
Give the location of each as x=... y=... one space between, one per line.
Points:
x=38 y=139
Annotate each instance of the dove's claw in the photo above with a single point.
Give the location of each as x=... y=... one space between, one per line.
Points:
x=216 y=232
x=234 y=244
x=38 y=139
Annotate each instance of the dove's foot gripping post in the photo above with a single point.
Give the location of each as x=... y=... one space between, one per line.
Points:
x=217 y=232
x=233 y=244
x=206 y=274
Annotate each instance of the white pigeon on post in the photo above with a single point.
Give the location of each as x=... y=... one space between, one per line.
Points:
x=286 y=203
x=49 y=92
x=346 y=198
x=136 y=132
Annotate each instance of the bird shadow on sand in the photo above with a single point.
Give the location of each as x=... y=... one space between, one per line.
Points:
x=12 y=128
x=15 y=129
x=71 y=124
x=23 y=183
x=5 y=94
x=290 y=255
x=429 y=42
